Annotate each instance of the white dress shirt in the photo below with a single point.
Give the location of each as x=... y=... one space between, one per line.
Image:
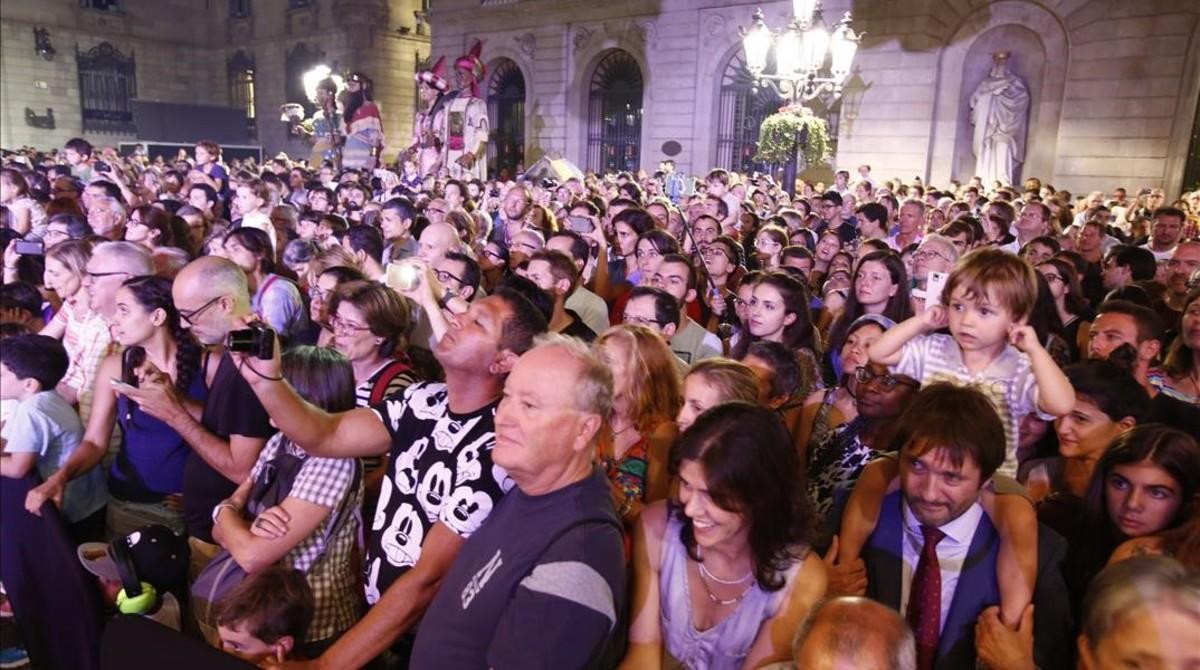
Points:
x=951 y=551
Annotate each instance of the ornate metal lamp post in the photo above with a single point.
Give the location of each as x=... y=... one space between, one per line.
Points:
x=801 y=51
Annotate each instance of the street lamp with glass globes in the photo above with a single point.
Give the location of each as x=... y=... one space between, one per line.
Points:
x=801 y=51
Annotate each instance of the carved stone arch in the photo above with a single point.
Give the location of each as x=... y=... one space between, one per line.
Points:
x=585 y=62
x=1041 y=49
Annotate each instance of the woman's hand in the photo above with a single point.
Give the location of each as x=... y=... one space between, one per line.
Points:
x=52 y=490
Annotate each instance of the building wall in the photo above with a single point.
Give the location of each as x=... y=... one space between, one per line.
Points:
x=182 y=48
x=1114 y=86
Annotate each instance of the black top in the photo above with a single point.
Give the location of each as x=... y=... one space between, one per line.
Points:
x=440 y=470
x=578 y=328
x=231 y=409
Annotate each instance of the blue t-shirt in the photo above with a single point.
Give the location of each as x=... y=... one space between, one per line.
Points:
x=44 y=424
x=541 y=585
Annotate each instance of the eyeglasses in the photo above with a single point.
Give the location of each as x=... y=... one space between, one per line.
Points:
x=922 y=254
x=1051 y=277
x=340 y=326
x=887 y=381
x=633 y=319
x=713 y=252
x=190 y=317
x=444 y=276
x=100 y=275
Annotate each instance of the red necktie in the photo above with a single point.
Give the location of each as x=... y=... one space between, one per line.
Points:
x=925 y=599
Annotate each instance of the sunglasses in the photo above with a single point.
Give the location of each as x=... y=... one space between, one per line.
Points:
x=886 y=381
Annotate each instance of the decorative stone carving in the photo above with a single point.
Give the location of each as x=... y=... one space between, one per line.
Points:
x=527 y=42
x=648 y=30
x=44 y=122
x=714 y=25
x=1000 y=114
x=581 y=38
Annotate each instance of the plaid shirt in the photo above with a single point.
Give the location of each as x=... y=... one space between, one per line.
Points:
x=325 y=555
x=87 y=341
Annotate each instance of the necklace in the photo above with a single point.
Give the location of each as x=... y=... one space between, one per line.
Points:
x=730 y=582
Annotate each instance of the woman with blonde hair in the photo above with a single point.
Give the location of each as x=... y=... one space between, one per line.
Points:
x=84 y=333
x=646 y=400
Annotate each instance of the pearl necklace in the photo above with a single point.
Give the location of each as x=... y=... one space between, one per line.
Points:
x=705 y=574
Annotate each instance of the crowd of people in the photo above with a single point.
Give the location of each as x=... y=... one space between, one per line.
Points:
x=322 y=417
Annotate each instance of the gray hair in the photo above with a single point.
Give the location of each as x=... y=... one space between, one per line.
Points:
x=130 y=256
x=913 y=201
x=1139 y=583
x=851 y=633
x=593 y=392
x=111 y=204
x=946 y=243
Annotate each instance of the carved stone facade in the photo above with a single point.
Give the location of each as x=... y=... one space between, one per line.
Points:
x=1114 y=86
x=183 y=52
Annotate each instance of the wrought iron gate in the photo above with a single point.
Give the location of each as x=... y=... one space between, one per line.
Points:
x=506 y=116
x=614 y=136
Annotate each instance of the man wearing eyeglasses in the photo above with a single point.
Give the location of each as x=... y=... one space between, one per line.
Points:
x=937 y=253
x=830 y=210
x=212 y=299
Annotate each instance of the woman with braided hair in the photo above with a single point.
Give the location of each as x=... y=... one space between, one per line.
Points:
x=146 y=477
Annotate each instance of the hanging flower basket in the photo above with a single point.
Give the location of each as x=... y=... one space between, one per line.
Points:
x=789 y=130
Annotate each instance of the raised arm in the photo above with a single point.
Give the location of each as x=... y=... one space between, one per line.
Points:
x=1055 y=395
x=358 y=432
x=886 y=350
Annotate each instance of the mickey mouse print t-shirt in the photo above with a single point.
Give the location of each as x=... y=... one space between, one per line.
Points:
x=440 y=470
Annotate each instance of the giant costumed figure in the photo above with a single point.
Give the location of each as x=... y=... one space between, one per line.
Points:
x=428 y=141
x=466 y=120
x=364 y=126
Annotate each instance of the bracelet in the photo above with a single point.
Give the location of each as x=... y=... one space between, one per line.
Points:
x=220 y=506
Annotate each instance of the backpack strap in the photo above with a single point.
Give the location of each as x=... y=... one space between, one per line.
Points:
x=393 y=370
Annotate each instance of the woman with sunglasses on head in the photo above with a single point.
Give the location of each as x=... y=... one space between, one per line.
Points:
x=722 y=265
x=274 y=298
x=145 y=479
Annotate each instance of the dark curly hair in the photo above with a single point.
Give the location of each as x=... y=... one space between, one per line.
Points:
x=155 y=293
x=751 y=469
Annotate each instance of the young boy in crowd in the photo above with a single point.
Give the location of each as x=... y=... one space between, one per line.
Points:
x=43 y=430
x=266 y=616
x=986 y=305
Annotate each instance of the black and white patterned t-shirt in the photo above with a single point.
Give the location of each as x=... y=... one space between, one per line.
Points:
x=440 y=469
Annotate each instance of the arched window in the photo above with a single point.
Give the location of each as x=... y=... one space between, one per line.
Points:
x=506 y=117
x=240 y=71
x=741 y=110
x=614 y=135
x=107 y=88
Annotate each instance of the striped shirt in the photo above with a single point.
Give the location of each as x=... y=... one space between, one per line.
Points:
x=1008 y=382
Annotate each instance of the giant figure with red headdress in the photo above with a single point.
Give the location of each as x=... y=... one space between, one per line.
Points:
x=429 y=139
x=466 y=120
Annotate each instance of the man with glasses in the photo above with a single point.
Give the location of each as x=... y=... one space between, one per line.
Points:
x=106 y=216
x=1033 y=222
x=829 y=208
x=459 y=276
x=111 y=264
x=690 y=341
x=213 y=300
x=937 y=253
x=657 y=310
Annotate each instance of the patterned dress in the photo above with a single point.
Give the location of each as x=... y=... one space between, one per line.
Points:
x=629 y=472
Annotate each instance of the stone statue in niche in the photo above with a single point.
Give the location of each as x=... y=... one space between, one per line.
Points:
x=1000 y=114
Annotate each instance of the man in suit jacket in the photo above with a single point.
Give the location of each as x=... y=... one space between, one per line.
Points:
x=944 y=464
